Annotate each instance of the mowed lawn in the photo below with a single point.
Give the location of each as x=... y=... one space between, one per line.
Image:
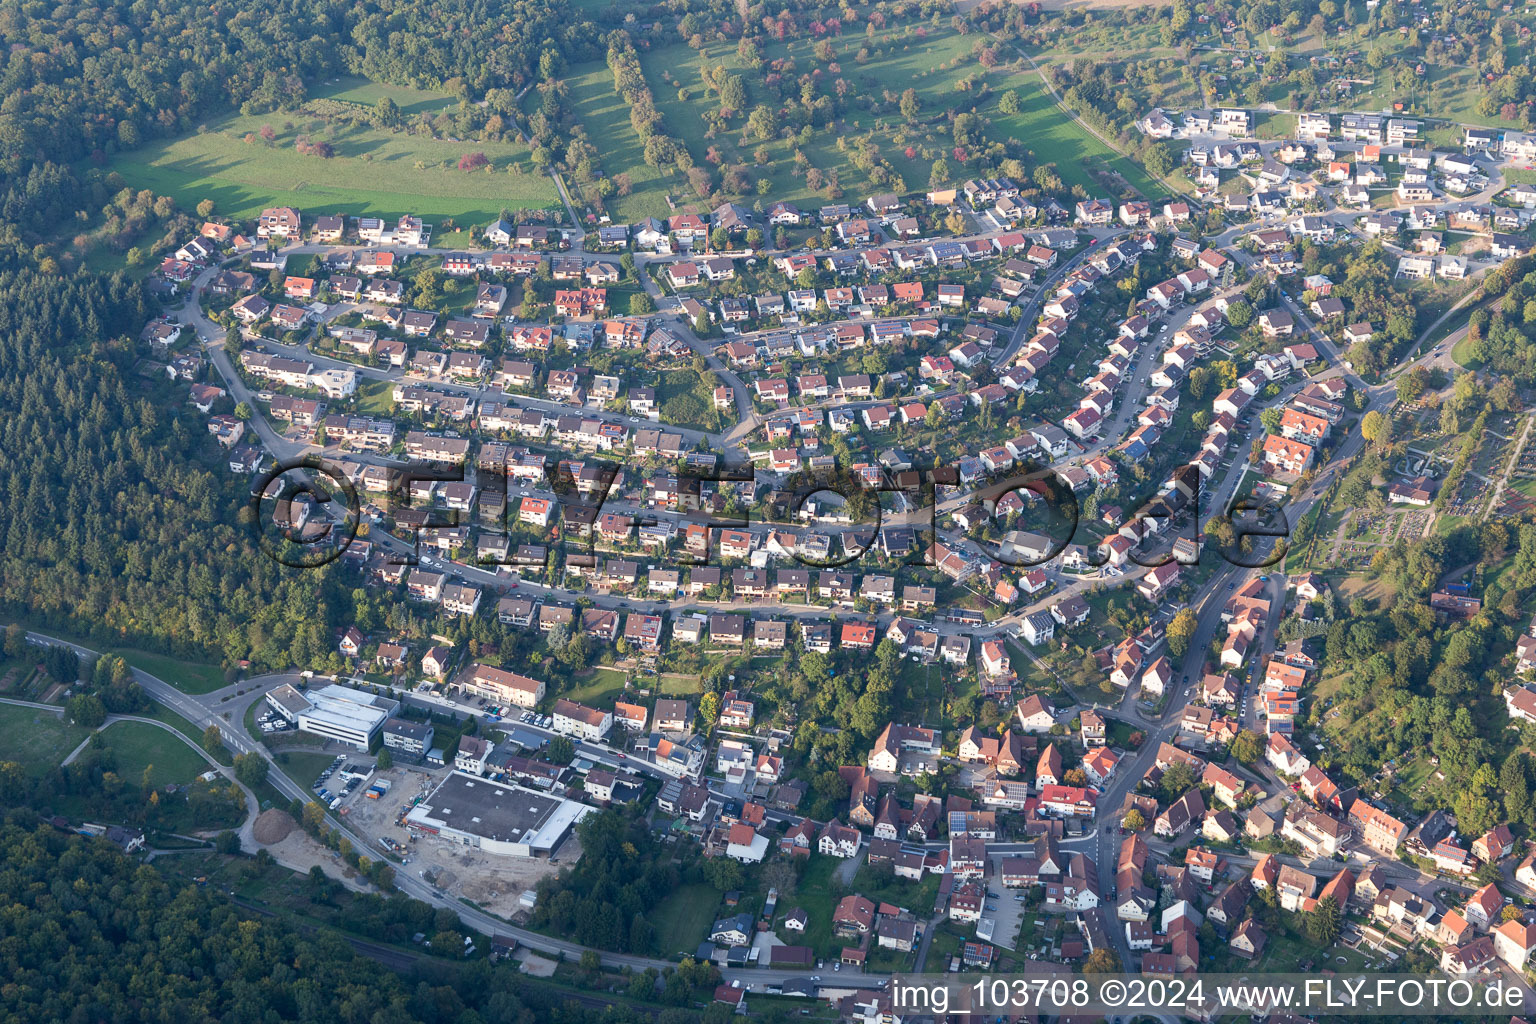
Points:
x=361 y=91
x=139 y=746
x=374 y=172
x=597 y=686
x=1055 y=138
x=602 y=111
x=304 y=768
x=682 y=920
x=37 y=740
x=186 y=676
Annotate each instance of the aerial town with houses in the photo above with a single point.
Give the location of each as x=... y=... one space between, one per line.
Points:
x=719 y=474
x=683 y=512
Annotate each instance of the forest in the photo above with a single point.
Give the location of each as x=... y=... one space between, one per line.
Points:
x=117 y=524
x=122 y=528
x=610 y=898
x=1501 y=336
x=96 y=78
x=89 y=934
x=605 y=900
x=85 y=81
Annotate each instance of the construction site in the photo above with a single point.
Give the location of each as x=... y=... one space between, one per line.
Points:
x=491 y=881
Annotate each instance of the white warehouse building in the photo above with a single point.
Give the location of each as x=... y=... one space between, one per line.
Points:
x=336 y=712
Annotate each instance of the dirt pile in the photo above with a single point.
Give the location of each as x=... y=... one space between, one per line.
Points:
x=271 y=827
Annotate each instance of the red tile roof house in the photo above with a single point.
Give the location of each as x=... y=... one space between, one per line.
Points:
x=1494 y=845
x=299 y=287
x=580 y=301
x=1158 y=580
x=1484 y=907
x=854 y=916
x=858 y=635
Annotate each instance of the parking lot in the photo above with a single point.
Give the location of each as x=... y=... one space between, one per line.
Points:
x=1003 y=910
x=529 y=718
x=270 y=722
x=347 y=774
x=447 y=697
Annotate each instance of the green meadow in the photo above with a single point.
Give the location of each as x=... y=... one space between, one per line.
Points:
x=374 y=172
x=935 y=62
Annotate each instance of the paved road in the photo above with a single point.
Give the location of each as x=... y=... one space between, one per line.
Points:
x=190 y=708
x=1208 y=603
x=1046 y=291
x=747 y=418
x=50 y=708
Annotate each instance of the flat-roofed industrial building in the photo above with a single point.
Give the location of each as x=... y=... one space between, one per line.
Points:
x=341 y=713
x=496 y=817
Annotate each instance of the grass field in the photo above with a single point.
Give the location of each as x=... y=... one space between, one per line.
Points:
x=1461 y=354
x=161 y=713
x=378 y=172
x=1056 y=138
x=1446 y=92
x=598 y=686
x=930 y=66
x=682 y=920
x=677 y=685
x=375 y=398
x=304 y=768
x=1447 y=89
x=139 y=746
x=36 y=740
x=922 y=689
x=937 y=64
x=905 y=893
x=411 y=102
x=818 y=896
x=186 y=676
x=606 y=118
x=374 y=172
